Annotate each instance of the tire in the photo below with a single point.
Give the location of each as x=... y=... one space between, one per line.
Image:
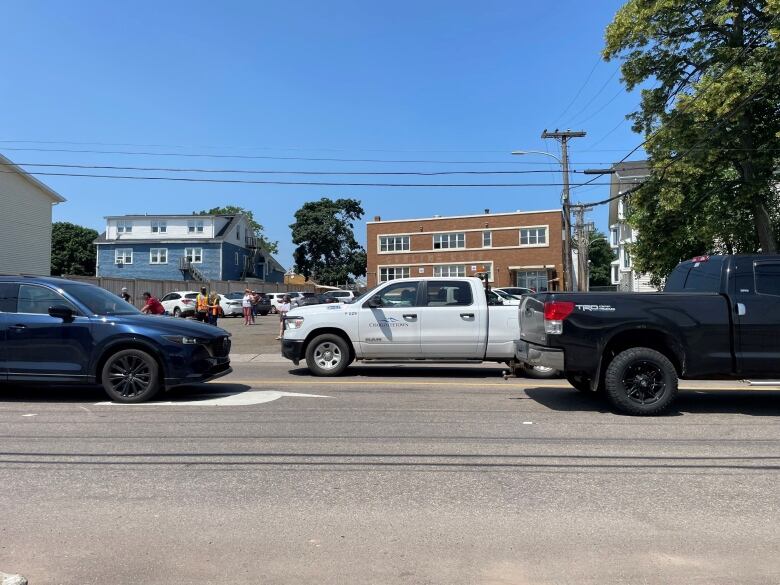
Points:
x=273 y=311
x=641 y=382
x=327 y=355
x=130 y=376
x=264 y=313
x=580 y=383
x=177 y=312
x=540 y=372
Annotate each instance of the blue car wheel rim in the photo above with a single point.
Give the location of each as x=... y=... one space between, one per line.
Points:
x=130 y=376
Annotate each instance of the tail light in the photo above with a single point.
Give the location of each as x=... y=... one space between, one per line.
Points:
x=187 y=301
x=700 y=259
x=555 y=312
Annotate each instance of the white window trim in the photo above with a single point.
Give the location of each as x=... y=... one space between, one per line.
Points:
x=161 y=225
x=158 y=250
x=490 y=244
x=392 y=236
x=534 y=227
x=193 y=255
x=195 y=226
x=126 y=226
x=468 y=264
x=449 y=237
x=393 y=267
x=236 y=258
x=449 y=267
x=124 y=255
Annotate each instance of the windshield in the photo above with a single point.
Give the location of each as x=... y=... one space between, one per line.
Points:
x=99 y=301
x=504 y=295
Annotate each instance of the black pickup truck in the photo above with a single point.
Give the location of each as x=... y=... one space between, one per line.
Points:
x=718 y=318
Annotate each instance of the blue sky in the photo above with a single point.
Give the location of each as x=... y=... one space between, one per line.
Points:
x=458 y=81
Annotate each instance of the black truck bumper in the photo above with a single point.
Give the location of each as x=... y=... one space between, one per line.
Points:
x=539 y=355
x=292 y=349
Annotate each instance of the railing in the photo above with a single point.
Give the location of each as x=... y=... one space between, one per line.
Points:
x=186 y=265
x=251 y=242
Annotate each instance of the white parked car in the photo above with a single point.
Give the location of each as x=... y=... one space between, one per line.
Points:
x=276 y=300
x=180 y=303
x=232 y=304
x=509 y=299
x=342 y=296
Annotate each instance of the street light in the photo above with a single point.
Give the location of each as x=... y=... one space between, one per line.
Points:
x=567 y=267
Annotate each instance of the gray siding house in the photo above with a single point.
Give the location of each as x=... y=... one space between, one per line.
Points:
x=25 y=221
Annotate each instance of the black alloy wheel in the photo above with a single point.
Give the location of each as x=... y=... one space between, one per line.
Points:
x=644 y=382
x=641 y=381
x=130 y=376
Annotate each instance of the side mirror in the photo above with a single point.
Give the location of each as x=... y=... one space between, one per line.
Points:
x=61 y=312
x=374 y=303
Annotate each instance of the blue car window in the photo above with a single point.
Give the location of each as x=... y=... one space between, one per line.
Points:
x=38 y=299
x=8 y=295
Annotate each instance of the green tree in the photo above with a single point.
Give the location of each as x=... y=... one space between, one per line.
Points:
x=72 y=249
x=601 y=257
x=709 y=72
x=272 y=247
x=324 y=233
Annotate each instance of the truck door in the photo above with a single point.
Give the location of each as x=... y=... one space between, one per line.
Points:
x=452 y=321
x=757 y=316
x=389 y=322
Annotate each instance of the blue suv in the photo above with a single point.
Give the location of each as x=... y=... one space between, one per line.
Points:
x=57 y=330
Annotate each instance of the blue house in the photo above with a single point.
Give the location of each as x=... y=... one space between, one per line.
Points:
x=183 y=247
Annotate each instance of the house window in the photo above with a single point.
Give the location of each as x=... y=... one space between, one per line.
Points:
x=536 y=236
x=123 y=256
x=194 y=255
x=536 y=280
x=615 y=274
x=159 y=227
x=236 y=258
x=158 y=256
x=444 y=241
x=615 y=237
x=124 y=226
x=487 y=239
x=626 y=259
x=195 y=226
x=393 y=243
x=449 y=270
x=386 y=274
x=238 y=233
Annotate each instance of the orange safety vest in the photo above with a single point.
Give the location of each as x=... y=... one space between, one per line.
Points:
x=215 y=306
x=202 y=304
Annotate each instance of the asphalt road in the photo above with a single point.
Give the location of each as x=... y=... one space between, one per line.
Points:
x=395 y=475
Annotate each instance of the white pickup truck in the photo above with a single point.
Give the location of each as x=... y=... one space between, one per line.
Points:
x=437 y=319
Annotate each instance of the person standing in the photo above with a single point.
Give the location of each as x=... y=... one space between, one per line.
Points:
x=214 y=308
x=152 y=306
x=126 y=295
x=202 y=305
x=246 y=305
x=284 y=308
x=255 y=300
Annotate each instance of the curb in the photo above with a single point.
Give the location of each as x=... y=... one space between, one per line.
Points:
x=6 y=579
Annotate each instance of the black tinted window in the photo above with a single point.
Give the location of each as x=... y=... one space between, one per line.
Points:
x=448 y=294
x=403 y=294
x=768 y=279
x=38 y=299
x=701 y=276
x=8 y=296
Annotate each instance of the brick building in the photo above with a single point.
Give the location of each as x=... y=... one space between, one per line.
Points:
x=522 y=248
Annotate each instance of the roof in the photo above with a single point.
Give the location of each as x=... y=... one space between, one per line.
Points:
x=220 y=236
x=171 y=215
x=53 y=280
x=8 y=164
x=465 y=216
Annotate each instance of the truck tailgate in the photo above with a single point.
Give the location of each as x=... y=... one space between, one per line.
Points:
x=531 y=317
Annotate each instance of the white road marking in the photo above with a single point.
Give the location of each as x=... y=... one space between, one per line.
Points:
x=248 y=398
x=29 y=415
x=527 y=422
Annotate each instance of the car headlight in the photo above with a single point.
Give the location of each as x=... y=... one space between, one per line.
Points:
x=293 y=322
x=185 y=340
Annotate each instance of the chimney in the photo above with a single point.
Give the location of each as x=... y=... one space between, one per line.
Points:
x=377 y=218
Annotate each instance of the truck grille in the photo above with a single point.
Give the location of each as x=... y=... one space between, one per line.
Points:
x=220 y=347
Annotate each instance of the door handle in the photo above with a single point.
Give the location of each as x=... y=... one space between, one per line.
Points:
x=741 y=309
x=410 y=316
x=467 y=315
x=18 y=327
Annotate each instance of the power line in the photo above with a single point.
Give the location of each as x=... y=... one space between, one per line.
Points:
x=579 y=91
x=597 y=94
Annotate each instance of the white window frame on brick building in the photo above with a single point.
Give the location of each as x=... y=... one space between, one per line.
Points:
x=449 y=270
x=158 y=256
x=123 y=256
x=449 y=241
x=387 y=273
x=159 y=227
x=394 y=243
x=487 y=239
x=193 y=255
x=534 y=236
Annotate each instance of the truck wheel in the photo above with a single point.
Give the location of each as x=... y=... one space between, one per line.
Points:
x=327 y=355
x=580 y=383
x=540 y=372
x=641 y=381
x=130 y=376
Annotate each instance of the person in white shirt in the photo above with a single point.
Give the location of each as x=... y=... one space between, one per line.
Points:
x=246 y=305
x=284 y=308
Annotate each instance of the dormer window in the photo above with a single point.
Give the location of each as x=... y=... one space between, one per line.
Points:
x=124 y=226
x=195 y=226
x=159 y=227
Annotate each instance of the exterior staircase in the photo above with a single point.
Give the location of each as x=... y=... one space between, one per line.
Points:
x=188 y=268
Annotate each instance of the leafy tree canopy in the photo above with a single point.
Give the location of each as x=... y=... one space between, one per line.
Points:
x=272 y=247
x=324 y=233
x=601 y=257
x=709 y=110
x=72 y=249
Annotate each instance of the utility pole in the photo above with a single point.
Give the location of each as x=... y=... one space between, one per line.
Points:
x=563 y=137
x=582 y=231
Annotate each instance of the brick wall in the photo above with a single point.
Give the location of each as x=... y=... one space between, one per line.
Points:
x=506 y=255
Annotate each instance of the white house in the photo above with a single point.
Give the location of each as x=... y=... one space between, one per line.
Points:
x=25 y=221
